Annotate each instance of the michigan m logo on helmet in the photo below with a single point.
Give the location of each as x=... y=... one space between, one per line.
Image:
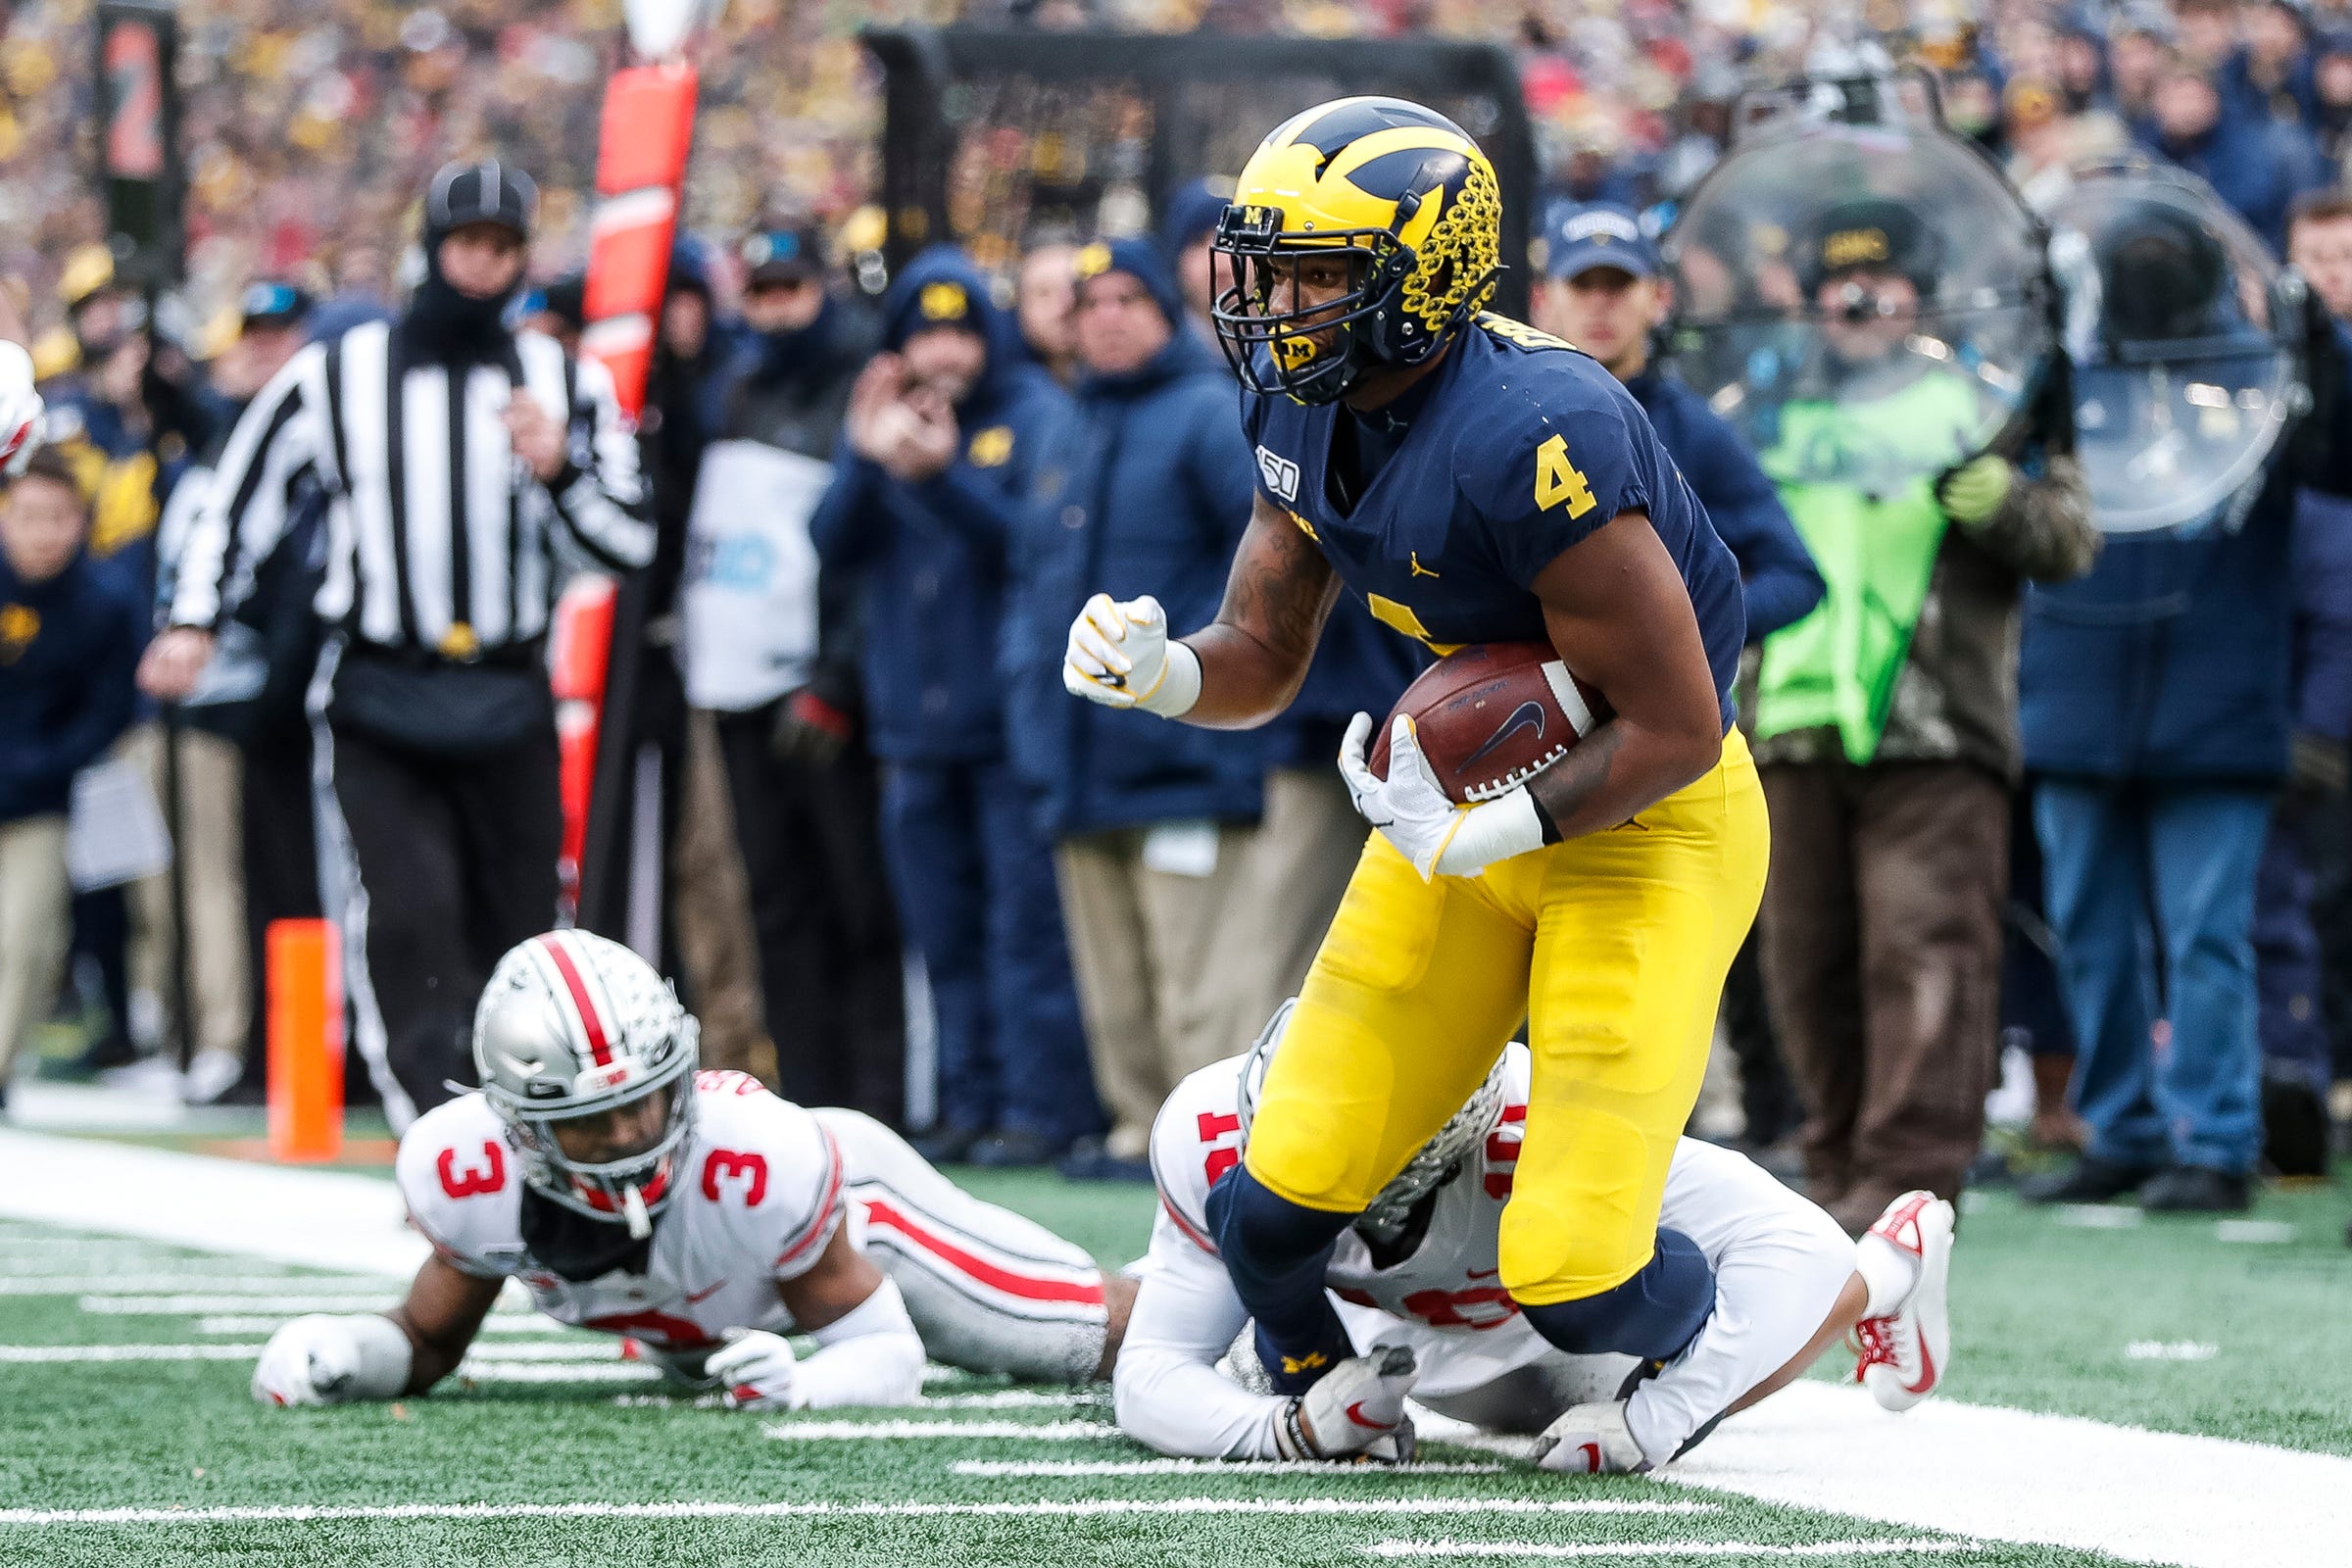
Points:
x=1401 y=199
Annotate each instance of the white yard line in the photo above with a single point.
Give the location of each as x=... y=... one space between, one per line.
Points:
x=555 y=1372
x=495 y=1323
x=78 y=1355
x=1097 y=1508
x=322 y=1219
x=1398 y=1474
x=1455 y=1551
x=899 y=1431
x=229 y=1288
x=2010 y=1475
x=375 y=1300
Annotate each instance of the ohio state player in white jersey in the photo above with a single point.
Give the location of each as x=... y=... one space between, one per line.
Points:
x=1416 y=1283
x=696 y=1214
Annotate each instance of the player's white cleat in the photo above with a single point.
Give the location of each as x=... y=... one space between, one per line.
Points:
x=1905 y=1354
x=1590 y=1440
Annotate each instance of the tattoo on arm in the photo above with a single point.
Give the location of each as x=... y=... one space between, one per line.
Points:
x=1279 y=592
x=1255 y=656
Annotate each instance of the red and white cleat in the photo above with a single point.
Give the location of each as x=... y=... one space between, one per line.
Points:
x=1905 y=1354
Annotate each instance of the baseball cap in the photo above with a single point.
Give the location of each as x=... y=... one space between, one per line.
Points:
x=1579 y=238
x=267 y=302
x=783 y=256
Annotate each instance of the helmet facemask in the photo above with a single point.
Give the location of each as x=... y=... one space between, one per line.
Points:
x=631 y=1187
x=1435 y=1163
x=1315 y=354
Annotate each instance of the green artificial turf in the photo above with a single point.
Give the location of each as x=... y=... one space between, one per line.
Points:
x=2043 y=1311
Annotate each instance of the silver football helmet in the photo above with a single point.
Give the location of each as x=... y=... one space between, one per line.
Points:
x=573 y=1025
x=1464 y=1131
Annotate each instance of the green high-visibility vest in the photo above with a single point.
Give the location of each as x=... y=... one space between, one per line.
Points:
x=1875 y=545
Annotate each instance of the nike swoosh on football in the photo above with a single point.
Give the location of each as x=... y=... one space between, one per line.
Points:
x=1355 y=1413
x=1526 y=713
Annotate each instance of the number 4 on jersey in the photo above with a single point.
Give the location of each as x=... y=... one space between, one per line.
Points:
x=1557 y=480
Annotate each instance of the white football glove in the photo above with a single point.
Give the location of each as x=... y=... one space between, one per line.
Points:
x=324 y=1359
x=1355 y=1411
x=757 y=1370
x=21 y=409
x=1411 y=812
x=1120 y=655
x=1590 y=1440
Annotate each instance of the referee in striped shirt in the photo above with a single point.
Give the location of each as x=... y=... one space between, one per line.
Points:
x=467 y=469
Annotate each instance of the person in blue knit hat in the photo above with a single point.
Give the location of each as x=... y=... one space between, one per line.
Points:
x=1145 y=488
x=1185 y=233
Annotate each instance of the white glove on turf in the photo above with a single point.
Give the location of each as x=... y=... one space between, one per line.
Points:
x=324 y=1359
x=757 y=1370
x=1120 y=656
x=1590 y=1440
x=1439 y=837
x=1355 y=1411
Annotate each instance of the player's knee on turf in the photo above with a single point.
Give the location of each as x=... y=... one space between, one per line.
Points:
x=1655 y=1314
x=1276 y=1253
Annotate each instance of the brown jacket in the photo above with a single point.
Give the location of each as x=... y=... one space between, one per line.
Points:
x=1957 y=697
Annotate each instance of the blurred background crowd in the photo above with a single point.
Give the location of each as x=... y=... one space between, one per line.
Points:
x=978 y=440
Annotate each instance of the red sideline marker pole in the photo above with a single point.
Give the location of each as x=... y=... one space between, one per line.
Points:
x=305 y=962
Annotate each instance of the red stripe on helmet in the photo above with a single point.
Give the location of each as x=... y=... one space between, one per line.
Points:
x=591 y=1023
x=1028 y=1287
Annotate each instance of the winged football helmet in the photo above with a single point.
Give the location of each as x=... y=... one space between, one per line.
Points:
x=1405 y=196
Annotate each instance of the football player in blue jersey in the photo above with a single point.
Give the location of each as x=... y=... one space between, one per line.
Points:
x=1473 y=480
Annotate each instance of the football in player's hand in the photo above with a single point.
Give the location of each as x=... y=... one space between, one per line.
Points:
x=1492 y=715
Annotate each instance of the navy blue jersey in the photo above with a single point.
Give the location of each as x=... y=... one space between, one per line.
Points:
x=1522 y=447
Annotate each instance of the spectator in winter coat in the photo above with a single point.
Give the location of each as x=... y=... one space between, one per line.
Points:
x=1603 y=290
x=2258 y=164
x=772 y=650
x=2306 y=833
x=70 y=633
x=945 y=430
x=2270 y=75
x=2157 y=714
x=1146 y=487
x=1042 y=304
x=1886 y=723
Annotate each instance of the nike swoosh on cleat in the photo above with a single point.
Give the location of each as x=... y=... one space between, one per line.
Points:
x=1355 y=1413
x=1592 y=1454
x=1927 y=1370
x=1525 y=715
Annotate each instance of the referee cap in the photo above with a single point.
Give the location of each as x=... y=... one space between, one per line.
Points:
x=481 y=192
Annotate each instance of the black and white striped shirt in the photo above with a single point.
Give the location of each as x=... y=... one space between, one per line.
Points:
x=440 y=539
